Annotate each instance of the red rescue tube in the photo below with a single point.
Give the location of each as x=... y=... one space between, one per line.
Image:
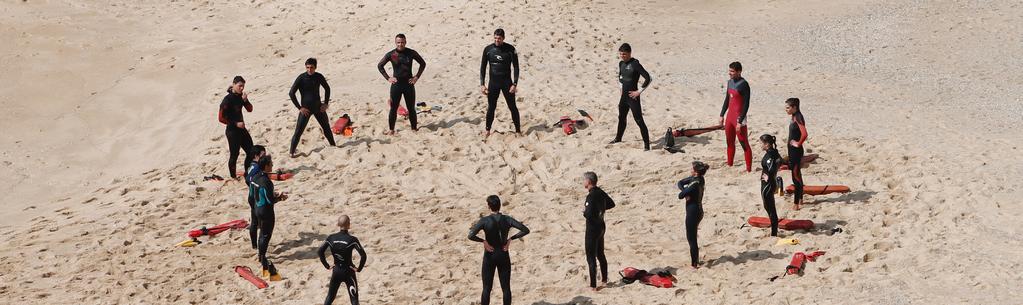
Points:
x=247 y=274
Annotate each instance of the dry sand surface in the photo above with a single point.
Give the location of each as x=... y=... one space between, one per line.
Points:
x=108 y=119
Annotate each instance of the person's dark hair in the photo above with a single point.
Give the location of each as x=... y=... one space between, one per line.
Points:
x=237 y=79
x=735 y=65
x=310 y=61
x=264 y=161
x=591 y=176
x=794 y=102
x=769 y=139
x=499 y=32
x=700 y=167
x=494 y=203
x=400 y=35
x=258 y=149
x=625 y=48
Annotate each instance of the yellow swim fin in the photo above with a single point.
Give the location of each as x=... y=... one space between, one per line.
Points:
x=788 y=241
x=189 y=243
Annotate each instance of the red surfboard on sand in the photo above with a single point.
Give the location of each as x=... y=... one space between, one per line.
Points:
x=819 y=189
x=784 y=224
x=246 y=274
x=234 y=224
x=807 y=159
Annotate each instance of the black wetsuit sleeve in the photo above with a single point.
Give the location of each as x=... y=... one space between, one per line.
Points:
x=422 y=63
x=291 y=93
x=483 y=67
x=326 y=89
x=610 y=203
x=476 y=230
x=380 y=65
x=644 y=74
x=321 y=251
x=724 y=107
x=362 y=255
x=689 y=190
x=523 y=230
x=744 y=91
x=515 y=66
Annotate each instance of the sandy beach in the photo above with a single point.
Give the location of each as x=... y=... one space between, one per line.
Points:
x=110 y=124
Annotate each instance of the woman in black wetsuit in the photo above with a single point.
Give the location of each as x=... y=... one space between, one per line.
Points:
x=238 y=137
x=797 y=135
x=768 y=185
x=692 y=190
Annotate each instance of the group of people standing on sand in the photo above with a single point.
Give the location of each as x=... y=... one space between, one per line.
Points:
x=501 y=60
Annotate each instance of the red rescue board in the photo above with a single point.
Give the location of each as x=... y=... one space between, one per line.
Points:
x=819 y=189
x=807 y=159
x=784 y=224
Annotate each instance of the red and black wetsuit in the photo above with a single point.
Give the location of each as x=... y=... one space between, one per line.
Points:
x=309 y=86
x=504 y=73
x=401 y=63
x=797 y=132
x=237 y=138
x=737 y=99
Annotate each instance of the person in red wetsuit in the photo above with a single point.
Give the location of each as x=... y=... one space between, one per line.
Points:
x=736 y=99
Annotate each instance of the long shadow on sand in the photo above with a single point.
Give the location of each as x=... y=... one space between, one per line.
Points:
x=364 y=141
x=852 y=197
x=448 y=124
x=579 y=300
x=309 y=240
x=743 y=257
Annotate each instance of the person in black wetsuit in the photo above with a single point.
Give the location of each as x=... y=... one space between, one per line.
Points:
x=309 y=84
x=768 y=185
x=504 y=78
x=403 y=83
x=495 y=229
x=597 y=202
x=797 y=135
x=263 y=190
x=629 y=72
x=258 y=151
x=238 y=137
x=692 y=190
x=341 y=245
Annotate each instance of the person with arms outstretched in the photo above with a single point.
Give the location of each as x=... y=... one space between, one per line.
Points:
x=403 y=83
x=309 y=83
x=495 y=229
